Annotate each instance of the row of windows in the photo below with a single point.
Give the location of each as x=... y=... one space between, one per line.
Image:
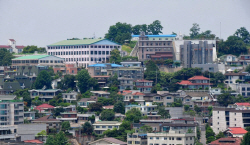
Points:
x=156 y=43
x=84 y=59
x=156 y=49
x=158 y=38
x=80 y=53
x=244 y=89
x=106 y=126
x=82 y=46
x=51 y=61
x=169 y=138
x=166 y=144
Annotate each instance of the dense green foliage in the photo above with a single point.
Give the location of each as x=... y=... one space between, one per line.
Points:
x=87 y=128
x=133 y=115
x=85 y=82
x=5 y=57
x=105 y=101
x=115 y=56
x=67 y=82
x=151 y=71
x=219 y=135
x=65 y=126
x=195 y=33
x=129 y=58
x=25 y=94
x=246 y=139
x=43 y=79
x=209 y=134
x=107 y=115
x=58 y=139
x=32 y=49
x=119 y=107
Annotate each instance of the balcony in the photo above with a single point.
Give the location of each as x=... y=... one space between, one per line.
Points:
x=7 y=136
x=103 y=70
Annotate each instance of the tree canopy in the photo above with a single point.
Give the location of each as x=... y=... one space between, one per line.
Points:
x=5 y=57
x=133 y=115
x=151 y=71
x=59 y=139
x=43 y=79
x=246 y=139
x=243 y=34
x=67 y=82
x=119 y=107
x=115 y=56
x=85 y=82
x=107 y=115
x=32 y=49
x=87 y=128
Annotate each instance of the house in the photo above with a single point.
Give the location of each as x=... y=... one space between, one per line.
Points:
x=147 y=109
x=45 y=108
x=29 y=131
x=137 y=138
x=101 y=93
x=108 y=107
x=84 y=102
x=107 y=141
x=227 y=141
x=29 y=115
x=83 y=52
x=131 y=63
x=71 y=96
x=8 y=85
x=51 y=123
x=44 y=94
x=137 y=97
x=145 y=86
x=12 y=47
x=101 y=126
x=84 y=117
x=196 y=82
x=235 y=132
x=36 y=60
x=102 y=69
x=68 y=116
x=234 y=79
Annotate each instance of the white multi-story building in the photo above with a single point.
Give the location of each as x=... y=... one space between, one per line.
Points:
x=101 y=126
x=83 y=52
x=230 y=117
x=12 y=47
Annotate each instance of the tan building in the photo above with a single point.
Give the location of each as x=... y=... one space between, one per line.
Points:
x=101 y=126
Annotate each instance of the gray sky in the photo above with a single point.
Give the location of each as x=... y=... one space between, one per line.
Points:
x=43 y=22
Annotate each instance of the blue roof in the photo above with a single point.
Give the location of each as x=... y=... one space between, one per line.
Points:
x=105 y=65
x=98 y=65
x=132 y=106
x=156 y=35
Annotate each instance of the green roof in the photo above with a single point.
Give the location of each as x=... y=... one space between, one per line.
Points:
x=31 y=57
x=76 y=42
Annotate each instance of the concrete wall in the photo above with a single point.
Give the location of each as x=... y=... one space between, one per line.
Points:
x=219 y=121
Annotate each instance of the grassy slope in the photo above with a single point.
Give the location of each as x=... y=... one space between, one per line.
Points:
x=126 y=48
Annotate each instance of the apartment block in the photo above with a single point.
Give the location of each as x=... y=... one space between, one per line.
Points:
x=11 y=112
x=71 y=96
x=83 y=52
x=229 y=117
x=7 y=132
x=196 y=52
x=149 y=46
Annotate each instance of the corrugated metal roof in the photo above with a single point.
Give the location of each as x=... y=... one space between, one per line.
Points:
x=31 y=57
x=76 y=42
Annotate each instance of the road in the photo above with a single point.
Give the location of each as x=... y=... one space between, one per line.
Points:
x=203 y=130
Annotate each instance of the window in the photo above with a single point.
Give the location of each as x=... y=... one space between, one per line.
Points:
x=218 y=117
x=186 y=138
x=97 y=127
x=234 y=124
x=169 y=138
x=218 y=112
x=157 y=138
x=191 y=138
x=165 y=138
x=178 y=138
x=169 y=97
x=109 y=126
x=234 y=119
x=218 y=123
x=103 y=126
x=151 y=138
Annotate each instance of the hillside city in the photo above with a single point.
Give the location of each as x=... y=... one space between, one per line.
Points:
x=134 y=86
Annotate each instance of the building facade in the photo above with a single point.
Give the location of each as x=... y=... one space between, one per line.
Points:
x=12 y=47
x=83 y=52
x=150 y=45
x=200 y=52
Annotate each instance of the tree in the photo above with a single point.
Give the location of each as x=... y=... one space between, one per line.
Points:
x=248 y=68
x=155 y=28
x=107 y=115
x=65 y=126
x=219 y=135
x=60 y=139
x=115 y=56
x=146 y=128
x=136 y=29
x=87 y=128
x=129 y=58
x=161 y=111
x=233 y=45
x=247 y=128
x=68 y=81
x=32 y=49
x=85 y=82
x=105 y=101
x=133 y=115
x=113 y=80
x=92 y=119
x=194 y=30
x=95 y=107
x=50 y=140
x=197 y=109
x=5 y=57
x=225 y=99
x=57 y=111
x=119 y=32
x=156 y=88
x=210 y=139
x=186 y=107
x=42 y=133
x=209 y=134
x=243 y=34
x=43 y=79
x=169 y=61
x=119 y=107
x=246 y=139
x=151 y=71
x=219 y=77
x=25 y=94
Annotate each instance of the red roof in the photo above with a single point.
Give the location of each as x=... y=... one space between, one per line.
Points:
x=243 y=104
x=138 y=94
x=227 y=141
x=40 y=107
x=33 y=141
x=5 y=46
x=20 y=47
x=143 y=81
x=198 y=78
x=144 y=86
x=11 y=39
x=185 y=82
x=108 y=107
x=237 y=130
x=124 y=92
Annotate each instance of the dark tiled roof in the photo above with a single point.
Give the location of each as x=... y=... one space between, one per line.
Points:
x=48 y=118
x=226 y=141
x=113 y=140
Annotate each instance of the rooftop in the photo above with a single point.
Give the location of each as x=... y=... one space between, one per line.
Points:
x=226 y=141
x=198 y=78
x=243 y=104
x=31 y=57
x=236 y=130
x=155 y=35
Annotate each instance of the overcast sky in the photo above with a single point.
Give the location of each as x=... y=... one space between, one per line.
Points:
x=43 y=22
